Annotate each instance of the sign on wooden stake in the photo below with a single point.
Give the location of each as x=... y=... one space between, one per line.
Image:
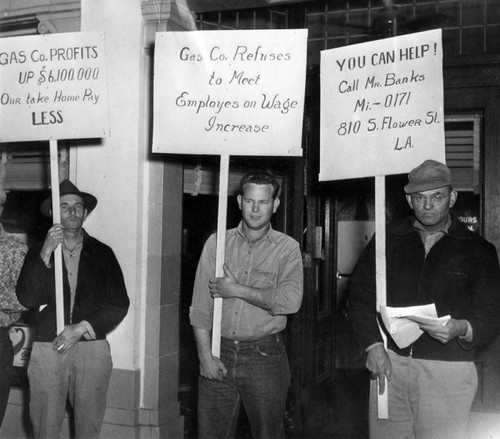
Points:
x=381 y=114
x=229 y=93
x=47 y=83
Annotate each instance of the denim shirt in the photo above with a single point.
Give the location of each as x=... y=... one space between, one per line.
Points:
x=272 y=264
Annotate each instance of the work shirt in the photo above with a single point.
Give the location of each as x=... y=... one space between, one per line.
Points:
x=72 y=261
x=273 y=265
x=429 y=238
x=12 y=256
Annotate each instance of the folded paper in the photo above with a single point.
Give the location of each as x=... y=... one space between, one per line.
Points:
x=403 y=323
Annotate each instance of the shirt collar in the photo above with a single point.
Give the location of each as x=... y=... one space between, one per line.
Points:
x=420 y=227
x=270 y=235
x=456 y=228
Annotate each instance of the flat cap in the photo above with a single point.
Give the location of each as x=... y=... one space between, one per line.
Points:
x=429 y=175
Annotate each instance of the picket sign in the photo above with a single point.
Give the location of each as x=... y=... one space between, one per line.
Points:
x=221 y=251
x=48 y=94
x=380 y=269
x=242 y=105
x=363 y=127
x=56 y=218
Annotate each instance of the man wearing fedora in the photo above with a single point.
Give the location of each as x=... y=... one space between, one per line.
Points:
x=75 y=363
x=431 y=258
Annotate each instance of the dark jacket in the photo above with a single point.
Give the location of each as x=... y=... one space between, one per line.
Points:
x=460 y=275
x=101 y=297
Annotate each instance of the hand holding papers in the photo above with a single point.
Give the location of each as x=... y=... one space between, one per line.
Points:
x=403 y=324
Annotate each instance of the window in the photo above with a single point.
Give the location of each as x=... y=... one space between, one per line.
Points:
x=27 y=183
x=462 y=140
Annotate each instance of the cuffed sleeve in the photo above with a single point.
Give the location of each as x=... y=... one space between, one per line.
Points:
x=286 y=297
x=201 y=309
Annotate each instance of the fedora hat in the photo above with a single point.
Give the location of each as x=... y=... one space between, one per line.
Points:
x=68 y=188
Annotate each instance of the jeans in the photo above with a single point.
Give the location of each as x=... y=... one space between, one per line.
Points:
x=258 y=376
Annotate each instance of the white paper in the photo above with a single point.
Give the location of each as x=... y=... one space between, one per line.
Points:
x=403 y=323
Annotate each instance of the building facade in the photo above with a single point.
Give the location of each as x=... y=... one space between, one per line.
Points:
x=148 y=202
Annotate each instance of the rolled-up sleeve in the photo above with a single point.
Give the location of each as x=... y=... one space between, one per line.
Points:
x=286 y=297
x=201 y=309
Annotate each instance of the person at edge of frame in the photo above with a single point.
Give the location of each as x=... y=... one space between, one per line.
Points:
x=431 y=258
x=12 y=254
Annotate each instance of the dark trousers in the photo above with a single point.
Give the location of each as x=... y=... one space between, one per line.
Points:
x=258 y=376
x=6 y=369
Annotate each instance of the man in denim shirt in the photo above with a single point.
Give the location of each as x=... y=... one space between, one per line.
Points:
x=262 y=284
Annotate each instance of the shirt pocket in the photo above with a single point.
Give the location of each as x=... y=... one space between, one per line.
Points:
x=262 y=279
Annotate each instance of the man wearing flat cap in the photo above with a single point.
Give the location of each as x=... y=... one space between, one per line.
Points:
x=431 y=258
x=75 y=364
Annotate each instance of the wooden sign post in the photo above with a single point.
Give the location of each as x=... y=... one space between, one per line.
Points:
x=220 y=250
x=381 y=114
x=56 y=218
x=229 y=93
x=47 y=83
x=380 y=270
